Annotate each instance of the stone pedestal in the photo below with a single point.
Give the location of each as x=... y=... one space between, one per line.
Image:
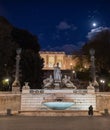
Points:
x=26 y=88
x=16 y=87
x=90 y=89
x=57 y=84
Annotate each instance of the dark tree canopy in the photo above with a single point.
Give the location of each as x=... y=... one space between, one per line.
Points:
x=25 y=39
x=31 y=63
x=101 y=43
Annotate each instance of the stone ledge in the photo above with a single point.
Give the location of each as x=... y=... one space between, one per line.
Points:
x=57 y=113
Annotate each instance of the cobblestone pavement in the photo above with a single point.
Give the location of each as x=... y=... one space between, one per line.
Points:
x=54 y=123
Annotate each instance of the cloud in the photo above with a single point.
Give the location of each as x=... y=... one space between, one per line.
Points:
x=63 y=25
x=67 y=48
x=95 y=31
x=80 y=44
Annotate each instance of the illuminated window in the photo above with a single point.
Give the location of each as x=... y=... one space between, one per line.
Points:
x=51 y=61
x=60 y=61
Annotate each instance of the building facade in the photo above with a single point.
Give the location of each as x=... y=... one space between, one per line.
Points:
x=66 y=62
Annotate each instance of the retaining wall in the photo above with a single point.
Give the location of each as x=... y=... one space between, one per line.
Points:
x=13 y=101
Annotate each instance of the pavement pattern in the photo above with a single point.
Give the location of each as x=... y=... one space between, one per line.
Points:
x=54 y=123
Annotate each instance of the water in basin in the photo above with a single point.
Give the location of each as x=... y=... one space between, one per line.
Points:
x=58 y=105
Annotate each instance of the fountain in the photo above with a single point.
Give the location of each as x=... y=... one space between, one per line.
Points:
x=58 y=105
x=59 y=97
x=57 y=81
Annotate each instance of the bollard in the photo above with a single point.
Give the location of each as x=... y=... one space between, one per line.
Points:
x=8 y=112
x=106 y=112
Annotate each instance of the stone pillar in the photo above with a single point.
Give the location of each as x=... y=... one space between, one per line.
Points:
x=55 y=62
x=16 y=83
x=47 y=62
x=93 y=76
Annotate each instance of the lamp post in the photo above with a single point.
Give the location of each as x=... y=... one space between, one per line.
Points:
x=16 y=83
x=74 y=73
x=6 y=84
x=102 y=81
x=93 y=76
x=71 y=72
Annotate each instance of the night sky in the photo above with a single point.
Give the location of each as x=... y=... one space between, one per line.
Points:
x=58 y=24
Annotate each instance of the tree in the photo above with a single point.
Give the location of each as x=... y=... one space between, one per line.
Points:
x=31 y=64
x=7 y=49
x=100 y=41
x=82 y=65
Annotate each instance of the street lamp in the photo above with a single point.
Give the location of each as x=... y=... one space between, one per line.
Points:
x=16 y=83
x=6 y=80
x=74 y=73
x=6 y=83
x=102 y=81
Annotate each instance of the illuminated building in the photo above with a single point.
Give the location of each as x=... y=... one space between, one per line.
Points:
x=66 y=62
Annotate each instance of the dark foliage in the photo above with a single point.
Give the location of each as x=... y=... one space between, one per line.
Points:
x=25 y=39
x=101 y=44
x=31 y=63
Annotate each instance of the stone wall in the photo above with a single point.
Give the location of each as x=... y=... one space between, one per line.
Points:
x=13 y=101
x=103 y=101
x=10 y=101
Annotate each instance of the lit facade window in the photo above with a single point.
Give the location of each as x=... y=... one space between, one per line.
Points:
x=51 y=61
x=60 y=61
x=65 y=61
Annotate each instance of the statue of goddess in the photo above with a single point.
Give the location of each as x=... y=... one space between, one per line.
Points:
x=57 y=73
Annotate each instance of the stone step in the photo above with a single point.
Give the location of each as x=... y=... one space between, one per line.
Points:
x=81 y=102
x=57 y=113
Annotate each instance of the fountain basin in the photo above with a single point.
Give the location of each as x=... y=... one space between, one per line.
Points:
x=58 y=105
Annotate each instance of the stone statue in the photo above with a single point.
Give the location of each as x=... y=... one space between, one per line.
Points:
x=26 y=86
x=48 y=82
x=95 y=84
x=67 y=82
x=64 y=80
x=90 y=86
x=57 y=73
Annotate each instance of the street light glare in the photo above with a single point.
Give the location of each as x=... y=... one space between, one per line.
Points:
x=6 y=80
x=102 y=81
x=73 y=71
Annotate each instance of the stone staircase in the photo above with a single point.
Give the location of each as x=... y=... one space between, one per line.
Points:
x=34 y=102
x=57 y=113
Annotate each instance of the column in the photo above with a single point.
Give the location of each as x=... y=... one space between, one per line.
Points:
x=16 y=83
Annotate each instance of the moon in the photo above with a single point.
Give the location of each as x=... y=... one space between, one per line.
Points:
x=94 y=24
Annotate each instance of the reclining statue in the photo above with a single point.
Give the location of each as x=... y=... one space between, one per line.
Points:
x=66 y=81
x=48 y=82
